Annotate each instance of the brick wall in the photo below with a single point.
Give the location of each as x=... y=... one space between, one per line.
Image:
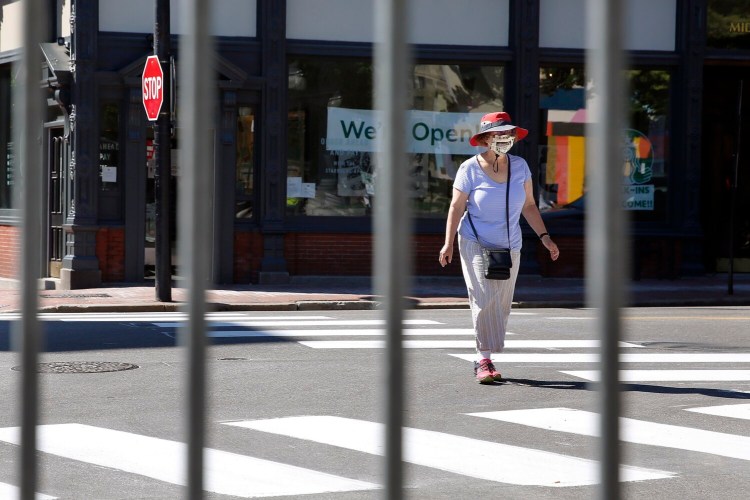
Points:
x=10 y=239
x=110 y=250
x=248 y=252
x=328 y=254
x=351 y=255
x=337 y=254
x=571 y=262
x=427 y=250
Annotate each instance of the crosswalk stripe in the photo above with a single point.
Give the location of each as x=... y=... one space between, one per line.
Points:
x=732 y=411
x=447 y=332
x=582 y=357
x=155 y=316
x=333 y=322
x=10 y=491
x=455 y=344
x=457 y=454
x=632 y=431
x=668 y=375
x=226 y=473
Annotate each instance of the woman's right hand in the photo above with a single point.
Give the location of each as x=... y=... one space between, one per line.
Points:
x=446 y=254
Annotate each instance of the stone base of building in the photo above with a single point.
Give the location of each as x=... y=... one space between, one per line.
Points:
x=71 y=279
x=273 y=278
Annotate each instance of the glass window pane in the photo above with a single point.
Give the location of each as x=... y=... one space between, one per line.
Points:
x=728 y=24
x=109 y=147
x=245 y=169
x=333 y=131
x=562 y=148
x=6 y=139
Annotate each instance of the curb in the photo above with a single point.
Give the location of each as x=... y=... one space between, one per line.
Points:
x=367 y=305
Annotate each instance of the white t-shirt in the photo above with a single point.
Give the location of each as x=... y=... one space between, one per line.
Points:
x=486 y=203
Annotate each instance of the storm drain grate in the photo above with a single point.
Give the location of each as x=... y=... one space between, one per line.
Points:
x=80 y=367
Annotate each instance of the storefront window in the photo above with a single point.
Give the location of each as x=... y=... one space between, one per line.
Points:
x=6 y=140
x=333 y=131
x=244 y=170
x=562 y=150
x=109 y=147
x=728 y=24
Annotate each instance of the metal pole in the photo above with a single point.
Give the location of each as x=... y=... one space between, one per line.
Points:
x=392 y=219
x=733 y=187
x=163 y=159
x=607 y=248
x=196 y=125
x=27 y=129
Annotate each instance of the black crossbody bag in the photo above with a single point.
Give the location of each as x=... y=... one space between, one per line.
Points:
x=497 y=262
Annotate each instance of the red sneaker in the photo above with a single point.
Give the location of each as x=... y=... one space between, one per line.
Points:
x=482 y=371
x=495 y=374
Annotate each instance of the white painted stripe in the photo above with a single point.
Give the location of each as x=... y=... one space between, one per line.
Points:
x=632 y=431
x=174 y=320
x=454 y=344
x=460 y=455
x=732 y=411
x=10 y=491
x=164 y=316
x=334 y=322
x=669 y=375
x=447 y=332
x=226 y=473
x=580 y=357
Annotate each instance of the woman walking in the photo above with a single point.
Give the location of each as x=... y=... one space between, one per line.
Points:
x=478 y=214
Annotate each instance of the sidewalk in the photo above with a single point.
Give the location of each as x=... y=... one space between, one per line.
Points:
x=328 y=293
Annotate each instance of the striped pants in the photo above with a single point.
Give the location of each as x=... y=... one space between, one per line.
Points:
x=490 y=300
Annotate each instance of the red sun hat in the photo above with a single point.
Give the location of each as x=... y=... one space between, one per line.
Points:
x=497 y=122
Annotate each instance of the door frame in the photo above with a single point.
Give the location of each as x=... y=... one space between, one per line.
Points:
x=53 y=130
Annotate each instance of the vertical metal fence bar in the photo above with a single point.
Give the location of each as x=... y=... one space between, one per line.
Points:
x=392 y=219
x=27 y=128
x=196 y=118
x=607 y=248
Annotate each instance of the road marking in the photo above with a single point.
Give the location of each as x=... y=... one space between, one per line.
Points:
x=581 y=357
x=632 y=431
x=177 y=318
x=10 y=491
x=676 y=318
x=732 y=411
x=457 y=454
x=226 y=473
x=455 y=344
x=447 y=332
x=669 y=375
x=659 y=318
x=333 y=322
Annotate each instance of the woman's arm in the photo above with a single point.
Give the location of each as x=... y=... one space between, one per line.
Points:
x=456 y=210
x=531 y=213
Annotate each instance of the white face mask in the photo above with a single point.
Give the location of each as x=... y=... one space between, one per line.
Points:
x=501 y=144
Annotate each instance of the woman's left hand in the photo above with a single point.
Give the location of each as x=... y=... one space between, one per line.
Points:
x=550 y=245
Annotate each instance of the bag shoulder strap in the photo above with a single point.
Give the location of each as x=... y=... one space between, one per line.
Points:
x=507 y=206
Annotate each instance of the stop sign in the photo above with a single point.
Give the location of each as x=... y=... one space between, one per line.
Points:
x=153 y=87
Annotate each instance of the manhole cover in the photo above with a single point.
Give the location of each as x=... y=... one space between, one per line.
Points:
x=81 y=367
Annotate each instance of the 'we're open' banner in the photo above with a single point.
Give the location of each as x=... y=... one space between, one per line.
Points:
x=428 y=131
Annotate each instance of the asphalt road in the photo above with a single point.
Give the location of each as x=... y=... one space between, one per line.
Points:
x=296 y=400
